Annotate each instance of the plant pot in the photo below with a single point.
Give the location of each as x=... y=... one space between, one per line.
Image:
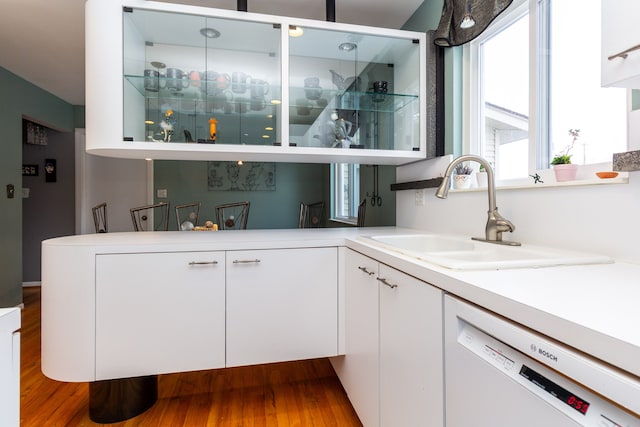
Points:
x=461 y=181
x=482 y=179
x=565 y=172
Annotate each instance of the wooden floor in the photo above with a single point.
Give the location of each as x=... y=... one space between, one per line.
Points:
x=285 y=394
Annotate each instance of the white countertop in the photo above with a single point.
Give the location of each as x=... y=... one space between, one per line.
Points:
x=593 y=308
x=10 y=319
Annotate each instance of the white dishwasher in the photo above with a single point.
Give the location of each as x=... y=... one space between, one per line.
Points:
x=500 y=374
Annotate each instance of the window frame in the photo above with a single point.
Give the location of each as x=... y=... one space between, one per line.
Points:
x=539 y=129
x=338 y=189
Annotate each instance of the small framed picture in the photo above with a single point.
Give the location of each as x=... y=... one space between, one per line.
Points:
x=50 y=170
x=30 y=170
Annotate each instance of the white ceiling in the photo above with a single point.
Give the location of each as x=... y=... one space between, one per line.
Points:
x=43 y=40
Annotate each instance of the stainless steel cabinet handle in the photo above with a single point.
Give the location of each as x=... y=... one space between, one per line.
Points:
x=384 y=282
x=245 y=261
x=370 y=273
x=203 y=262
x=624 y=53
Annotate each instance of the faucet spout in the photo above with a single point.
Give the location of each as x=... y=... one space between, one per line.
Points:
x=496 y=223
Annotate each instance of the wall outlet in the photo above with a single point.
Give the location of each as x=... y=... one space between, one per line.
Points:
x=161 y=193
x=419 y=197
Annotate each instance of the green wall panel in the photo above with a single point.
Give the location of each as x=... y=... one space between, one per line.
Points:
x=19 y=98
x=186 y=182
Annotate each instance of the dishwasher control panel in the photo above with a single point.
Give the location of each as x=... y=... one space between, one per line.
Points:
x=576 y=402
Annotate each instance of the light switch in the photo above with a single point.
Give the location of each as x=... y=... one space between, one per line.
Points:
x=419 y=197
x=162 y=193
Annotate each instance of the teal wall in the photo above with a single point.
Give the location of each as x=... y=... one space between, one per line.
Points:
x=635 y=99
x=426 y=17
x=186 y=182
x=19 y=98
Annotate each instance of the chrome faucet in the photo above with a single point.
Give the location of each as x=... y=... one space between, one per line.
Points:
x=496 y=224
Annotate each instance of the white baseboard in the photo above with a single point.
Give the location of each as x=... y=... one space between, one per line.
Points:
x=27 y=284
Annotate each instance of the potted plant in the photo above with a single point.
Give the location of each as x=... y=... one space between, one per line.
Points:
x=562 y=166
x=462 y=178
x=481 y=177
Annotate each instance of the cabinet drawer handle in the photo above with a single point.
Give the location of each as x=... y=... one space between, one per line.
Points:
x=624 y=53
x=246 y=261
x=384 y=282
x=203 y=262
x=370 y=273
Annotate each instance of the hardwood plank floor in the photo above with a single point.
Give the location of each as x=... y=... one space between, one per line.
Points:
x=305 y=393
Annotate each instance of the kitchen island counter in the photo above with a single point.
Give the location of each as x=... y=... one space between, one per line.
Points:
x=592 y=308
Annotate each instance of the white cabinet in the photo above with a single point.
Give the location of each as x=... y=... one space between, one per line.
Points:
x=358 y=370
x=159 y=313
x=9 y=367
x=620 y=33
x=411 y=353
x=392 y=370
x=194 y=83
x=281 y=305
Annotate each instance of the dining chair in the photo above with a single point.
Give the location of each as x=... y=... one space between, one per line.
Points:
x=232 y=216
x=362 y=207
x=151 y=217
x=311 y=215
x=187 y=216
x=100 y=217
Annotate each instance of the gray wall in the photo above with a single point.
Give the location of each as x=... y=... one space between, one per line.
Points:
x=49 y=211
x=17 y=98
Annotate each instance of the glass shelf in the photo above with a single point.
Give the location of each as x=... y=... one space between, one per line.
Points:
x=351 y=100
x=202 y=90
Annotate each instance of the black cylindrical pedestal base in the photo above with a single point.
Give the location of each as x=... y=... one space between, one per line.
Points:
x=111 y=401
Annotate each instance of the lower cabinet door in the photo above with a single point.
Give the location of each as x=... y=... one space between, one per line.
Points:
x=358 y=370
x=282 y=304
x=411 y=353
x=159 y=313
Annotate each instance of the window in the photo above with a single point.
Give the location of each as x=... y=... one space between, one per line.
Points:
x=345 y=184
x=533 y=75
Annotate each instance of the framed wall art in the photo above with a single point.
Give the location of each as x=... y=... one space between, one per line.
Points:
x=249 y=176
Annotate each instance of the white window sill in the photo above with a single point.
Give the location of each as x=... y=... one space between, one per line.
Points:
x=586 y=176
x=346 y=221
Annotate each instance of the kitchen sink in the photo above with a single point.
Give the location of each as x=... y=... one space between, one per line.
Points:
x=462 y=253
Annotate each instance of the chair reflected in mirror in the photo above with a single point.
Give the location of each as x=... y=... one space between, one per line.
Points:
x=362 y=207
x=232 y=216
x=151 y=217
x=311 y=215
x=100 y=217
x=187 y=216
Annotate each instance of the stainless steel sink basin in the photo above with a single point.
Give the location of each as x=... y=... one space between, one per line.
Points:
x=462 y=253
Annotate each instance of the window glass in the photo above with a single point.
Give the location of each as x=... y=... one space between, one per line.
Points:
x=346 y=191
x=505 y=78
x=524 y=104
x=576 y=99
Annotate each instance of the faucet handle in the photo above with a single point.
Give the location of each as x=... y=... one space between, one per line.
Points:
x=504 y=224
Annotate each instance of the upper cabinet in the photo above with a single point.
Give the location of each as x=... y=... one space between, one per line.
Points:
x=167 y=81
x=620 y=43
